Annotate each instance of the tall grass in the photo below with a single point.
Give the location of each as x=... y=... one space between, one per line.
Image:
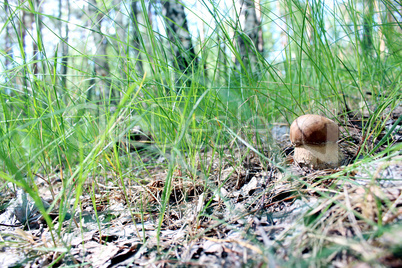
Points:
x=316 y=64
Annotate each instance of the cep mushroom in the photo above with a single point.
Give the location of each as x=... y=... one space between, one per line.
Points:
x=315 y=139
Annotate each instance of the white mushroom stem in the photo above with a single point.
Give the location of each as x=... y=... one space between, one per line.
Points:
x=318 y=156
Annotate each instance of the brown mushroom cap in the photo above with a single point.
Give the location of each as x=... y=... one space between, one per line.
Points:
x=313 y=129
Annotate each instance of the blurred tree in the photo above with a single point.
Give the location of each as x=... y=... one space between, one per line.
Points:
x=223 y=65
x=180 y=39
x=64 y=40
x=101 y=43
x=121 y=28
x=392 y=27
x=35 y=23
x=38 y=25
x=100 y=60
x=22 y=31
x=23 y=27
x=260 y=44
x=249 y=38
x=8 y=46
x=134 y=14
x=368 y=24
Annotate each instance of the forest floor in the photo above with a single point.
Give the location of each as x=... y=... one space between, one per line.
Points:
x=252 y=215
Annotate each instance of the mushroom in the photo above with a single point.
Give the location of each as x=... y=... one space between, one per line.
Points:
x=315 y=139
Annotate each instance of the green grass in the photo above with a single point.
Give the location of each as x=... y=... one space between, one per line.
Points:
x=215 y=105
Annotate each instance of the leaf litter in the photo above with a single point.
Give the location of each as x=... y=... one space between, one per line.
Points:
x=246 y=215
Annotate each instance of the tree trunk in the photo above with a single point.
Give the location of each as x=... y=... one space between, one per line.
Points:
x=250 y=35
x=101 y=65
x=22 y=32
x=35 y=23
x=101 y=62
x=179 y=36
x=8 y=46
x=35 y=68
x=64 y=43
x=260 y=43
x=23 y=27
x=222 y=56
x=120 y=26
x=367 y=42
x=136 y=42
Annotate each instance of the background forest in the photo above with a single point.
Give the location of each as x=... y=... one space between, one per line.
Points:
x=141 y=98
